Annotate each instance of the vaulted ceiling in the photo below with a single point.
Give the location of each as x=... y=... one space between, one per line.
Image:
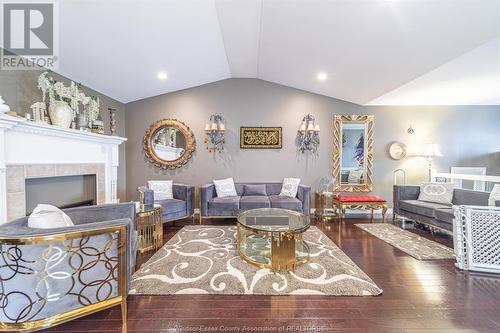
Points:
x=372 y=51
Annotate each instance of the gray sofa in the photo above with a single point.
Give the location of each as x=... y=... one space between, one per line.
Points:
x=180 y=207
x=214 y=207
x=437 y=215
x=74 y=267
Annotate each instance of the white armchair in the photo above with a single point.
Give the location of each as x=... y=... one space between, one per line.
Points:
x=476 y=234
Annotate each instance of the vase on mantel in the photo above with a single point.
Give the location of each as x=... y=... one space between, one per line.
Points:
x=60 y=114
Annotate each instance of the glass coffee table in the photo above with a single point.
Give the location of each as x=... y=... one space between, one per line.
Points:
x=273 y=238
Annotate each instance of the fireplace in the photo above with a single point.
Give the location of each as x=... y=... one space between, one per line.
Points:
x=61 y=185
x=62 y=192
x=30 y=150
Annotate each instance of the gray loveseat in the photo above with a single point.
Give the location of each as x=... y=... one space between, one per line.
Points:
x=437 y=215
x=249 y=197
x=180 y=207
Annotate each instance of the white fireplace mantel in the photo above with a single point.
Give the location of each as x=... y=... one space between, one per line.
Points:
x=23 y=142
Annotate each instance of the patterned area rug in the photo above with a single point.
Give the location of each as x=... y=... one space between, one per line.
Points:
x=408 y=242
x=203 y=260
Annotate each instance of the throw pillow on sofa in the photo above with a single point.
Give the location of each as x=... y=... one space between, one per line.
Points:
x=48 y=216
x=436 y=192
x=162 y=189
x=494 y=195
x=258 y=189
x=225 y=188
x=290 y=187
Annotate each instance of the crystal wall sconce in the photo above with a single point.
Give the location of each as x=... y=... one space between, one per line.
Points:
x=215 y=133
x=308 y=134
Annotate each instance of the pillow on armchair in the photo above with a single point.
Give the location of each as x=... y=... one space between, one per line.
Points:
x=162 y=189
x=48 y=216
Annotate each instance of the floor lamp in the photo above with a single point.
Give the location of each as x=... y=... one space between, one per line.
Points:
x=431 y=151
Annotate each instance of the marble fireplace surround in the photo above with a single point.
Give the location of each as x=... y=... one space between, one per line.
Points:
x=34 y=150
x=17 y=175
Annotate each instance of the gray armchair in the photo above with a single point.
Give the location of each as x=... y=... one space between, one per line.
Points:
x=180 y=207
x=49 y=276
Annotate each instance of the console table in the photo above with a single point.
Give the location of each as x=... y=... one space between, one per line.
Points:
x=367 y=202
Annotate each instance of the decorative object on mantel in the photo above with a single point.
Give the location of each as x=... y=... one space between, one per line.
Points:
x=97 y=126
x=38 y=109
x=215 y=131
x=397 y=150
x=64 y=102
x=169 y=143
x=431 y=151
x=261 y=137
x=3 y=107
x=112 y=121
x=308 y=134
x=82 y=122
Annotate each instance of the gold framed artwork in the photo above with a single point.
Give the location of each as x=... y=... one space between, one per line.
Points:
x=352 y=153
x=261 y=138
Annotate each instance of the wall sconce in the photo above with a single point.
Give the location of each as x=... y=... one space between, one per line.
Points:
x=308 y=134
x=215 y=133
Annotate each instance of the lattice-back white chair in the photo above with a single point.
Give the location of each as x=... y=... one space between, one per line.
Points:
x=476 y=236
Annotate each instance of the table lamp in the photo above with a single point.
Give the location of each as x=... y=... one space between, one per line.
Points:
x=430 y=151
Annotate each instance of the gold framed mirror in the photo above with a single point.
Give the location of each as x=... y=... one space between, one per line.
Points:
x=169 y=143
x=352 y=153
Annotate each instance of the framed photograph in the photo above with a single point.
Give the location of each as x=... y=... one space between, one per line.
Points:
x=261 y=138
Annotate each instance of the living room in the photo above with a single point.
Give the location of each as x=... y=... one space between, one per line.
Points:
x=250 y=165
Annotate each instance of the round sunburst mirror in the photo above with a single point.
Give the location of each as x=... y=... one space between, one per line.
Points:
x=169 y=143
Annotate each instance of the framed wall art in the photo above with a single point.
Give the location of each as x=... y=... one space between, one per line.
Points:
x=261 y=138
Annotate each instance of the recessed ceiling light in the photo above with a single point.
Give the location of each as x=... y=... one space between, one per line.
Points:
x=322 y=76
x=162 y=76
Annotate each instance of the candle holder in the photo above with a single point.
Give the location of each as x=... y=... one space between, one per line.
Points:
x=215 y=131
x=112 y=121
x=308 y=134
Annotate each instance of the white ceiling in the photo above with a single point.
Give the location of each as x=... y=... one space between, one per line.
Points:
x=373 y=51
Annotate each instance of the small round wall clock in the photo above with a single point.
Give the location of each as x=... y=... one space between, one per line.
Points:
x=397 y=150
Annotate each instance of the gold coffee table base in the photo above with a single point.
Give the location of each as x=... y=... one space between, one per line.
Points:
x=281 y=250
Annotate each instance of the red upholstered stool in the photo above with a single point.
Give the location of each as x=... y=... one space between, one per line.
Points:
x=371 y=202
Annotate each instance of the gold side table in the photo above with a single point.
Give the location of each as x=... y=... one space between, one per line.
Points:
x=149 y=220
x=324 y=208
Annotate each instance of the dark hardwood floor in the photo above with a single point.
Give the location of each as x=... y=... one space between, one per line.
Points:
x=419 y=296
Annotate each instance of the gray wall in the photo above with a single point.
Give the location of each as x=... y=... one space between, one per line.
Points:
x=468 y=136
x=19 y=90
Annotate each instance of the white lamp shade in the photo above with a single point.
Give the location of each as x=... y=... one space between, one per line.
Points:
x=310 y=127
x=431 y=150
x=222 y=127
x=302 y=127
x=207 y=127
x=214 y=127
x=316 y=128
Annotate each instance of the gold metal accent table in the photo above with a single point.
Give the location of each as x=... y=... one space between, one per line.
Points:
x=149 y=221
x=273 y=238
x=324 y=207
